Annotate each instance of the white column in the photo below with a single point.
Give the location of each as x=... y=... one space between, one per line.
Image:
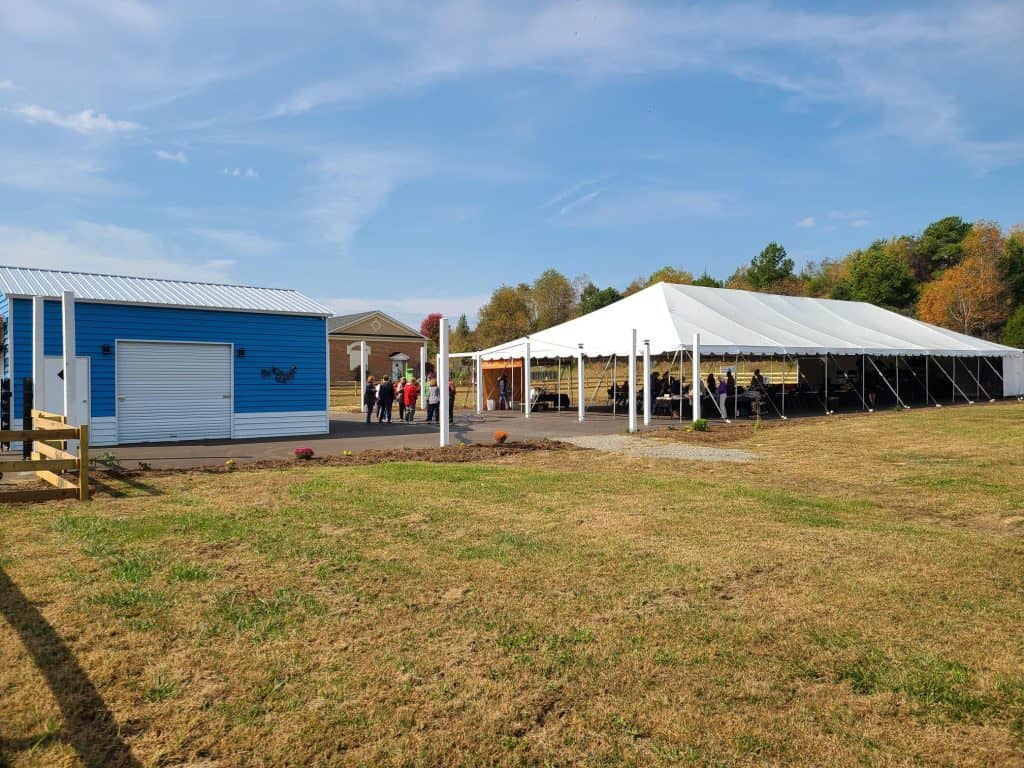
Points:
x=581 y=397
x=362 y=376
x=647 y=382
x=423 y=376
x=526 y=382
x=632 y=381
x=38 y=354
x=67 y=303
x=442 y=381
x=697 y=386
x=479 y=372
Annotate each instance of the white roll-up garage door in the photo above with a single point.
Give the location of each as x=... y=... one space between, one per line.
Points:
x=173 y=391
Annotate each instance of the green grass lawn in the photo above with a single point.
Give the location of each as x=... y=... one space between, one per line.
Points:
x=855 y=597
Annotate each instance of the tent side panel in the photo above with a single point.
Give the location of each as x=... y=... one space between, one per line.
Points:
x=1013 y=376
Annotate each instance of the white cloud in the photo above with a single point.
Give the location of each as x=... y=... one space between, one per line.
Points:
x=90 y=247
x=856 y=217
x=239 y=240
x=56 y=172
x=352 y=185
x=806 y=223
x=647 y=204
x=579 y=202
x=906 y=69
x=88 y=122
x=6 y=85
x=412 y=310
x=247 y=173
x=172 y=157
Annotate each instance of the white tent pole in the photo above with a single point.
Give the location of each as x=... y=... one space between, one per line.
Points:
x=997 y=373
x=886 y=381
x=67 y=303
x=558 y=387
x=898 y=381
x=362 y=376
x=581 y=405
x=828 y=410
x=647 y=382
x=632 y=381
x=479 y=364
x=681 y=380
x=977 y=381
x=423 y=375
x=38 y=352
x=786 y=359
x=952 y=380
x=615 y=384
x=864 y=382
x=527 y=379
x=442 y=381
x=918 y=379
x=927 y=389
x=736 y=386
x=713 y=396
x=697 y=379
x=600 y=379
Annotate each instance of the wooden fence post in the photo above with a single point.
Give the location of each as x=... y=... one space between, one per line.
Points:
x=83 y=463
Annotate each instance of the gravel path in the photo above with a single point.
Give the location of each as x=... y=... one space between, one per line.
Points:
x=635 y=446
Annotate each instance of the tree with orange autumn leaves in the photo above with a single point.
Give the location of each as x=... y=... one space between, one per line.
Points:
x=970 y=297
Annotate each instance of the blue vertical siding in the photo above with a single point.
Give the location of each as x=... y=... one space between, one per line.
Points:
x=4 y=308
x=270 y=341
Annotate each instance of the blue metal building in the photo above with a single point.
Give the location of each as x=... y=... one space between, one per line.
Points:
x=167 y=360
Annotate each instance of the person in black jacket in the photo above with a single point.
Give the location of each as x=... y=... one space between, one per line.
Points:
x=369 y=397
x=385 y=398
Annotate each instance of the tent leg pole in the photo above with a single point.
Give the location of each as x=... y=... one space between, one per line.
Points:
x=736 y=387
x=827 y=411
x=800 y=374
x=952 y=380
x=897 y=381
x=886 y=381
x=977 y=382
x=786 y=359
x=997 y=373
x=615 y=385
x=600 y=381
x=864 y=382
x=918 y=380
x=681 y=380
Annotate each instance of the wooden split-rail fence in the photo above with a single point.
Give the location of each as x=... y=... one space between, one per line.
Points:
x=50 y=459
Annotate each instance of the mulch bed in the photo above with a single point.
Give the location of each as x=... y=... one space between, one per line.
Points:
x=455 y=454
x=717 y=434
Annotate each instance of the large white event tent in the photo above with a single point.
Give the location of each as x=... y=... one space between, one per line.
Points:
x=668 y=318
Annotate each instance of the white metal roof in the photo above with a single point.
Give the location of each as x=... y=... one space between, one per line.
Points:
x=120 y=289
x=744 y=322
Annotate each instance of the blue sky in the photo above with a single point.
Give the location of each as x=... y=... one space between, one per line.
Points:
x=412 y=156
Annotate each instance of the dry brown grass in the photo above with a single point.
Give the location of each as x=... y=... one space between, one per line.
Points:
x=855 y=597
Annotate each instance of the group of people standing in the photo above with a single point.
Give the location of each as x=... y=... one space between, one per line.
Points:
x=379 y=399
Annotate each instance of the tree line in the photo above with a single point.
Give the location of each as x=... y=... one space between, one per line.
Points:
x=965 y=276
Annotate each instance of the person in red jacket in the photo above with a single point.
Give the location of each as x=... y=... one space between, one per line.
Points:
x=411 y=393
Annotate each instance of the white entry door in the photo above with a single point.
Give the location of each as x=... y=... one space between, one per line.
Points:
x=169 y=391
x=53 y=389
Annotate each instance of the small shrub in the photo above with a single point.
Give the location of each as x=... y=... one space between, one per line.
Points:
x=229 y=464
x=500 y=437
x=108 y=460
x=700 y=425
x=304 y=453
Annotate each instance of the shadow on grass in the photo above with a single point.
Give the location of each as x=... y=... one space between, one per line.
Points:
x=118 y=485
x=88 y=725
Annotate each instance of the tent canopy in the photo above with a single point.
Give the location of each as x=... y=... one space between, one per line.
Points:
x=744 y=322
